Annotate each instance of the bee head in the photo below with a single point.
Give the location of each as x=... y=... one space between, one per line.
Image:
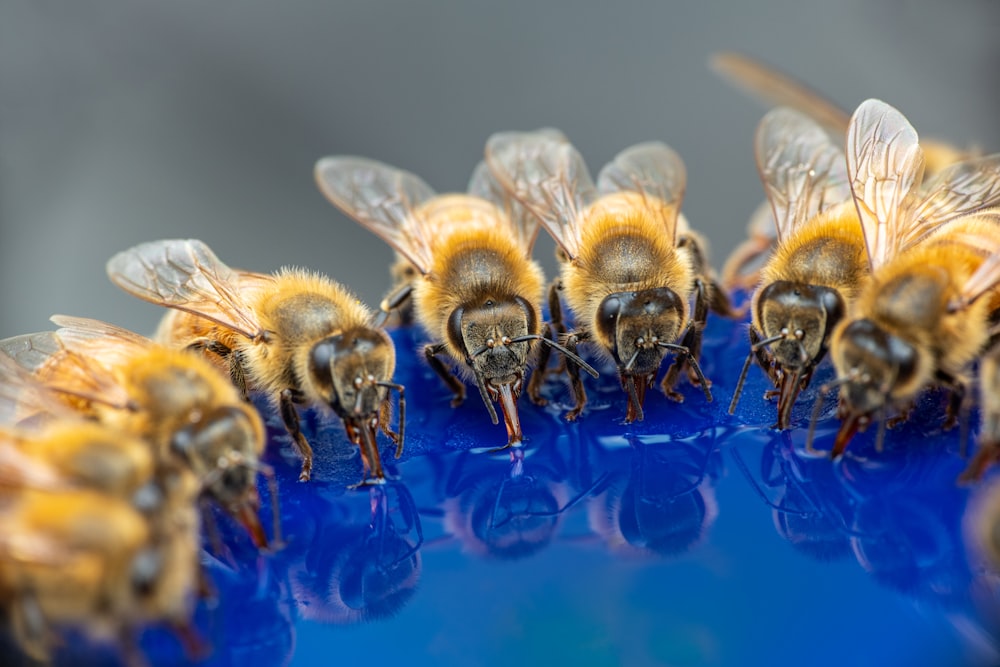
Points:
x=349 y=371
x=635 y=326
x=873 y=365
x=798 y=320
x=222 y=447
x=496 y=337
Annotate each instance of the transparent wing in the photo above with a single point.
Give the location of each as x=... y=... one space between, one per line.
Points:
x=547 y=176
x=961 y=189
x=484 y=184
x=884 y=164
x=524 y=225
x=186 y=275
x=803 y=172
x=23 y=397
x=48 y=361
x=987 y=276
x=653 y=170
x=381 y=198
x=775 y=88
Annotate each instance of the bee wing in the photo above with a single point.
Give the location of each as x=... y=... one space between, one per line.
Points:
x=775 y=88
x=524 y=225
x=987 y=276
x=23 y=397
x=381 y=198
x=651 y=169
x=803 y=172
x=959 y=190
x=82 y=372
x=546 y=175
x=19 y=469
x=884 y=165
x=186 y=275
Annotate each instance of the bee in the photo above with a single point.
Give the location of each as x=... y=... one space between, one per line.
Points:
x=478 y=291
x=630 y=262
x=297 y=336
x=934 y=254
x=819 y=263
x=186 y=411
x=92 y=533
x=776 y=88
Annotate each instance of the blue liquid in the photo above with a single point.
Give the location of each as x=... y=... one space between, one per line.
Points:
x=694 y=537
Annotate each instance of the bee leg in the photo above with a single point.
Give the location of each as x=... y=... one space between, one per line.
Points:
x=734 y=275
x=195 y=647
x=956 y=399
x=290 y=417
x=575 y=383
x=902 y=417
x=393 y=301
x=453 y=383
x=764 y=359
x=237 y=373
x=692 y=341
x=132 y=655
x=30 y=628
x=720 y=302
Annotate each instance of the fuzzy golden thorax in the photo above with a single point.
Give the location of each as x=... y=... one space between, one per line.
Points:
x=808 y=285
x=481 y=287
x=629 y=286
x=297 y=311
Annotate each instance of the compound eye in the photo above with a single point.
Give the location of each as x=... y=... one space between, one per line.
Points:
x=833 y=305
x=607 y=315
x=321 y=360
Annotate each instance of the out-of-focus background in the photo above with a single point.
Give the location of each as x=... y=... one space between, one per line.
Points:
x=124 y=121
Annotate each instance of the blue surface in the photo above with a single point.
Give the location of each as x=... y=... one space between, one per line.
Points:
x=692 y=538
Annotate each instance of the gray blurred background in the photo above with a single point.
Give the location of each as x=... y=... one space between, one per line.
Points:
x=124 y=121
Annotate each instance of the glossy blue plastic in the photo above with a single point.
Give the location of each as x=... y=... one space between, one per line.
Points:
x=693 y=537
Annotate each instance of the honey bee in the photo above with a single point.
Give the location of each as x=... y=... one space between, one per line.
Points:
x=630 y=262
x=818 y=265
x=297 y=336
x=478 y=291
x=934 y=254
x=175 y=401
x=776 y=88
x=92 y=534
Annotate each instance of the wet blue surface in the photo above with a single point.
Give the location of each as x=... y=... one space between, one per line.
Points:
x=691 y=538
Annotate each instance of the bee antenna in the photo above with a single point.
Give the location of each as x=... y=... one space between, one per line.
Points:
x=767 y=341
x=803 y=355
x=575 y=358
x=680 y=350
x=631 y=361
x=739 y=383
x=633 y=396
x=486 y=399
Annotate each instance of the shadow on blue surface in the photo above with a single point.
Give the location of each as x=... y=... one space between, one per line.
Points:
x=691 y=538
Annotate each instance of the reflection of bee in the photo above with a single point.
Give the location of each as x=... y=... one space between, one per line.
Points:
x=171 y=399
x=297 y=336
x=920 y=320
x=362 y=561
x=818 y=265
x=778 y=89
x=479 y=290
x=630 y=263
